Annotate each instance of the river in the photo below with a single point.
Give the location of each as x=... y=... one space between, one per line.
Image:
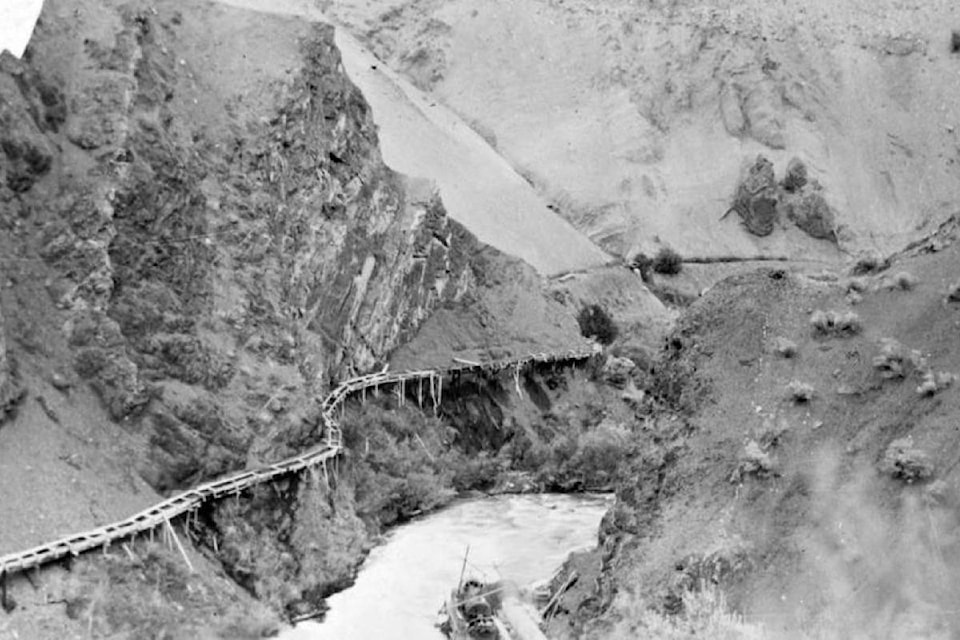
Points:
x=403 y=582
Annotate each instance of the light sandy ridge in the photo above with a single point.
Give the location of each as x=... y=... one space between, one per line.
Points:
x=480 y=190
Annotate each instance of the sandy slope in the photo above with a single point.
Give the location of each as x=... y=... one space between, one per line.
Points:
x=635 y=118
x=420 y=137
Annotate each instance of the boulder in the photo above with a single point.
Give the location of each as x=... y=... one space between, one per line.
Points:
x=796 y=177
x=756 y=198
x=617 y=371
x=808 y=209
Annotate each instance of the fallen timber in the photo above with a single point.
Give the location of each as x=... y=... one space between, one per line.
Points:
x=187 y=502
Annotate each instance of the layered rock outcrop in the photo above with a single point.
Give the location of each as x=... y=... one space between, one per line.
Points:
x=219 y=254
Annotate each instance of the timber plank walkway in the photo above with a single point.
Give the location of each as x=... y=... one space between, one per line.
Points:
x=187 y=502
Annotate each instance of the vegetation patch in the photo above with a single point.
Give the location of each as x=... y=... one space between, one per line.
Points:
x=667 y=262
x=596 y=323
x=800 y=392
x=836 y=323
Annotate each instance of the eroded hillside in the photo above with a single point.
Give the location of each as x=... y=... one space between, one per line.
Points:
x=636 y=118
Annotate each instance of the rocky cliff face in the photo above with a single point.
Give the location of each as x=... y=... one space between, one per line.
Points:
x=218 y=255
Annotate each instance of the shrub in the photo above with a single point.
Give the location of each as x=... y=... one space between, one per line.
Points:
x=800 y=391
x=668 y=262
x=904 y=280
x=703 y=614
x=754 y=461
x=600 y=453
x=833 y=322
x=955 y=42
x=933 y=383
x=870 y=262
x=785 y=348
x=858 y=285
x=821 y=321
x=476 y=472
x=596 y=323
x=890 y=361
x=894 y=361
x=904 y=461
x=848 y=322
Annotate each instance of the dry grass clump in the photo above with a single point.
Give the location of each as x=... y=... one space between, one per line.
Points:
x=954 y=294
x=800 y=392
x=785 y=348
x=754 y=461
x=904 y=461
x=858 y=285
x=904 y=280
x=935 y=382
x=895 y=361
x=870 y=262
x=836 y=322
x=705 y=615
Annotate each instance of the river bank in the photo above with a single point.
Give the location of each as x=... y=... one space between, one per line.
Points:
x=519 y=538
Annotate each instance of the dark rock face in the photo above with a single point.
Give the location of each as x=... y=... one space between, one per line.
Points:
x=215 y=262
x=756 y=198
x=808 y=209
x=10 y=390
x=761 y=202
x=193 y=250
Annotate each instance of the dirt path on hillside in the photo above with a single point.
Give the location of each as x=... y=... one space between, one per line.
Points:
x=421 y=137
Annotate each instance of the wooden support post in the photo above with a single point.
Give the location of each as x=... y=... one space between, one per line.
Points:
x=420 y=392
x=516 y=379
x=173 y=534
x=424 y=445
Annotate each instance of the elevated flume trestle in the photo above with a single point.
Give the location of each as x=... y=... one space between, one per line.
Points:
x=187 y=502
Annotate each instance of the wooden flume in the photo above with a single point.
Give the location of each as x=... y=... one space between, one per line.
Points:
x=187 y=502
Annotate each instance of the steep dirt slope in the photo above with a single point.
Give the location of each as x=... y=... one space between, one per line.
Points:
x=421 y=137
x=828 y=517
x=636 y=119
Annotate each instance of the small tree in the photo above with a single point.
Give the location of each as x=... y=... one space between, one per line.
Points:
x=642 y=263
x=668 y=262
x=597 y=323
